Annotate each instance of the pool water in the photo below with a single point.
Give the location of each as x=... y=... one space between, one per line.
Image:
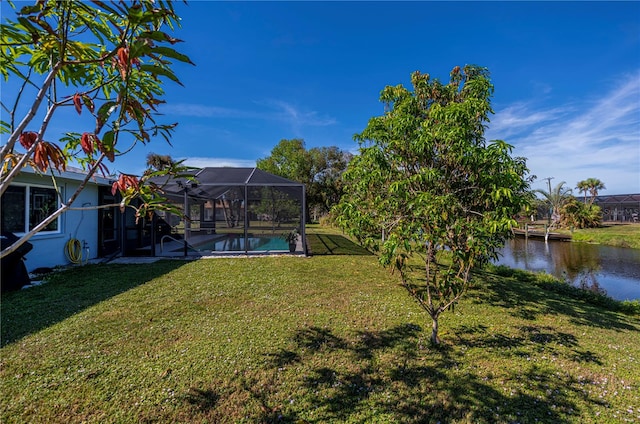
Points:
x=229 y=244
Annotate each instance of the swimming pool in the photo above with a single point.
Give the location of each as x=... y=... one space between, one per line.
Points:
x=236 y=243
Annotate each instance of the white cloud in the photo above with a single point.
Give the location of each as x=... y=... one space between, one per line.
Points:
x=298 y=117
x=203 y=162
x=271 y=110
x=541 y=87
x=597 y=138
x=518 y=118
x=204 y=111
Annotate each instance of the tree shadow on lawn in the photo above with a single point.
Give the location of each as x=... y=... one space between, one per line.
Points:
x=528 y=301
x=526 y=340
x=322 y=377
x=70 y=291
x=202 y=399
x=333 y=244
x=424 y=387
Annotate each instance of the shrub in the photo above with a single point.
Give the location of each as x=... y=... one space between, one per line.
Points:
x=579 y=215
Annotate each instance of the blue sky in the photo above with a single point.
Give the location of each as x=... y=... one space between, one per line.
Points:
x=566 y=76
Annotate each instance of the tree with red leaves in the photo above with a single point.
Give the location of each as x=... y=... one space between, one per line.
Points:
x=107 y=59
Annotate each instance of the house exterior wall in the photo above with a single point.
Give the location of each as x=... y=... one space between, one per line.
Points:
x=49 y=248
x=623 y=208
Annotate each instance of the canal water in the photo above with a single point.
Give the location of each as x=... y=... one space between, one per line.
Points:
x=614 y=271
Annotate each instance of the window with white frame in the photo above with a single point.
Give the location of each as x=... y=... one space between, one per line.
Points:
x=25 y=206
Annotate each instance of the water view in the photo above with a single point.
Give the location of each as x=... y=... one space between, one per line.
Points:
x=612 y=270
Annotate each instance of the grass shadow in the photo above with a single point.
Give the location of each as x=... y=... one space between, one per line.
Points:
x=526 y=339
x=28 y=311
x=333 y=244
x=388 y=373
x=202 y=399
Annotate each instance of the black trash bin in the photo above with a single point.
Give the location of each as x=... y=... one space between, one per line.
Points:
x=13 y=271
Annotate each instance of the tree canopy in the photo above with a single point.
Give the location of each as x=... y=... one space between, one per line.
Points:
x=160 y=162
x=104 y=59
x=289 y=159
x=427 y=185
x=319 y=168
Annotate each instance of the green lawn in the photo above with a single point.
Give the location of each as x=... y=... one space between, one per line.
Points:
x=622 y=235
x=331 y=338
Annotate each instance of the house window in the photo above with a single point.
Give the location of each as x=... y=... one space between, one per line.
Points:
x=208 y=210
x=24 y=207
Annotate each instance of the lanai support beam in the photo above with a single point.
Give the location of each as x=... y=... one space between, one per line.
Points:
x=246 y=219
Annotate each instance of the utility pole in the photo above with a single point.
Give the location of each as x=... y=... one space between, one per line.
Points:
x=549 y=182
x=550 y=204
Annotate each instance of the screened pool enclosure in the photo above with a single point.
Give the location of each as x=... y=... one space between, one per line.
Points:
x=226 y=210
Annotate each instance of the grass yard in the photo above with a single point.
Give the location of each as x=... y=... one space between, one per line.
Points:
x=331 y=338
x=620 y=235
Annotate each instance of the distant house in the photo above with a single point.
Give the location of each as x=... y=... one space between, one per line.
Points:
x=31 y=197
x=618 y=207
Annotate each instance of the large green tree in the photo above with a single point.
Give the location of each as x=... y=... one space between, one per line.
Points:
x=289 y=159
x=103 y=59
x=427 y=185
x=327 y=188
x=319 y=168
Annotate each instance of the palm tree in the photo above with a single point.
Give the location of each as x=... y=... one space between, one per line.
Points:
x=583 y=187
x=593 y=185
x=556 y=198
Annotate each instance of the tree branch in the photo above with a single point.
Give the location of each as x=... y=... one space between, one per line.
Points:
x=6 y=180
x=30 y=114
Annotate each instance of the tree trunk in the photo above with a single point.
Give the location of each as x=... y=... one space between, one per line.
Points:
x=434 y=332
